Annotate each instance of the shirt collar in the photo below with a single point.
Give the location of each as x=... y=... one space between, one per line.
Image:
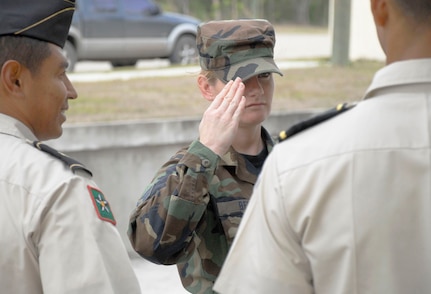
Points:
x=13 y=127
x=401 y=73
x=231 y=157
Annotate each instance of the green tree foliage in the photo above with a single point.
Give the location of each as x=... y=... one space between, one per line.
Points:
x=302 y=12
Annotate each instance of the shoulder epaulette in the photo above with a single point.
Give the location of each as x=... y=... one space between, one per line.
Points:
x=314 y=120
x=73 y=164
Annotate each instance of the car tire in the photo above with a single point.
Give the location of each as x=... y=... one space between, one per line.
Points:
x=71 y=55
x=123 y=63
x=185 y=51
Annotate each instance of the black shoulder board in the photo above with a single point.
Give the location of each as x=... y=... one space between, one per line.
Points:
x=72 y=163
x=314 y=120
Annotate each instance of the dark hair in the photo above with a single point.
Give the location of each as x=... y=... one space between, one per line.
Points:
x=418 y=10
x=27 y=51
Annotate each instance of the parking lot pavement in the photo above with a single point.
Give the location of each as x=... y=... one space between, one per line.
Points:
x=157 y=279
x=163 y=72
x=288 y=52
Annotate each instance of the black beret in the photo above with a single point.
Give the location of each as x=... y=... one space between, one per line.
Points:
x=45 y=20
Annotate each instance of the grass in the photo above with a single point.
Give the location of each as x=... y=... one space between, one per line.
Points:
x=167 y=97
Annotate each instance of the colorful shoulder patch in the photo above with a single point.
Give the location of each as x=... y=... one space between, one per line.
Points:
x=101 y=205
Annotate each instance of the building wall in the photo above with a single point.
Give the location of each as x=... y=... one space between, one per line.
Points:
x=364 y=43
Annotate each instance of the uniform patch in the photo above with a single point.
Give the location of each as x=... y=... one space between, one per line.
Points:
x=101 y=205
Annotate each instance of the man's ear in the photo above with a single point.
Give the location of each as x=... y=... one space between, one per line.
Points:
x=10 y=76
x=379 y=8
x=205 y=87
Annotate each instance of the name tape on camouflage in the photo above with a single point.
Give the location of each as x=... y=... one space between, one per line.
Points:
x=103 y=209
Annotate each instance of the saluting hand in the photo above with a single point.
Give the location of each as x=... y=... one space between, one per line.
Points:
x=220 y=121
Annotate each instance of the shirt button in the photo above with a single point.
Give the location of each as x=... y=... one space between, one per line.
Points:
x=206 y=163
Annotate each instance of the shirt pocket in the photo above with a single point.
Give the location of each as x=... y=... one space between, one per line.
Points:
x=230 y=212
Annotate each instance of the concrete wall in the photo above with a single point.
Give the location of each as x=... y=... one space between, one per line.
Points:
x=124 y=156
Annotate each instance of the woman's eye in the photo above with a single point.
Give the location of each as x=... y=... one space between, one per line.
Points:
x=264 y=75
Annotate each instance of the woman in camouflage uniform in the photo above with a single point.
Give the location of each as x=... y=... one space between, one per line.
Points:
x=190 y=212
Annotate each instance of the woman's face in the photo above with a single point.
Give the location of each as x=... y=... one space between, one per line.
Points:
x=258 y=92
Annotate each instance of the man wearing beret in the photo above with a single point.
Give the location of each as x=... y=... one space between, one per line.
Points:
x=190 y=212
x=58 y=231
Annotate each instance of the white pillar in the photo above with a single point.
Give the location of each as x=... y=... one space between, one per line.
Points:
x=364 y=43
x=341 y=10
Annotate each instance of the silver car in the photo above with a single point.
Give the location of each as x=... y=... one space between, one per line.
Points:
x=124 y=31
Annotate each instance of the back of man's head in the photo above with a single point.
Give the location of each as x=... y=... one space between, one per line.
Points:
x=403 y=28
x=418 y=10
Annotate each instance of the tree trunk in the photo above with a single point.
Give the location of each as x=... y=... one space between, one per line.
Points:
x=234 y=13
x=186 y=7
x=217 y=9
x=302 y=12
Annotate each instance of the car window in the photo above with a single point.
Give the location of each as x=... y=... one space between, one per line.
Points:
x=104 y=6
x=140 y=7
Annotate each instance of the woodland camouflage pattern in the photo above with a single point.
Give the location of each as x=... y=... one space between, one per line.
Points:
x=190 y=212
x=238 y=48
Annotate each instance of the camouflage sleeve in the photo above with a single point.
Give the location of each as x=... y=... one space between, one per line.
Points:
x=162 y=227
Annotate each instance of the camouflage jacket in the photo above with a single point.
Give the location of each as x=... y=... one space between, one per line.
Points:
x=190 y=212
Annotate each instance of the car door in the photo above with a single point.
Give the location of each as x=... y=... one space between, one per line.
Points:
x=102 y=29
x=146 y=35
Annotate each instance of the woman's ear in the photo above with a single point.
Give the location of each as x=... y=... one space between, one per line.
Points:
x=10 y=76
x=205 y=87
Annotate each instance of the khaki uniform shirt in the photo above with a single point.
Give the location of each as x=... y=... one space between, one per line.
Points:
x=345 y=207
x=190 y=212
x=57 y=229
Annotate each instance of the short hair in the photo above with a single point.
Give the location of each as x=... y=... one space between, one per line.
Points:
x=417 y=10
x=211 y=76
x=27 y=51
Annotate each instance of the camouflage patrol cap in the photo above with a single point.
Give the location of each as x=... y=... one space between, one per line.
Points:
x=45 y=20
x=237 y=48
